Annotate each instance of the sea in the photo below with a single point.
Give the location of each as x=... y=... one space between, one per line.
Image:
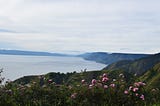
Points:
x=17 y=66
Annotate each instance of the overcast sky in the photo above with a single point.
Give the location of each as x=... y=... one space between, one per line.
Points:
x=73 y=26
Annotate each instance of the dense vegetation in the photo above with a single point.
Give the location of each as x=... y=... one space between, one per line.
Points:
x=96 y=88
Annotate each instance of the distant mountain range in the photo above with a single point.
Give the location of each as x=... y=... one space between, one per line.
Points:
x=108 y=58
x=33 y=53
x=100 y=57
x=138 y=66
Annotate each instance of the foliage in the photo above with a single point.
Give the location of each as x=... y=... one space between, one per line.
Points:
x=103 y=90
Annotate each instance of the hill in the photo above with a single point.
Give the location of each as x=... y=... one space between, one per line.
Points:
x=32 y=53
x=152 y=77
x=74 y=78
x=108 y=58
x=138 y=66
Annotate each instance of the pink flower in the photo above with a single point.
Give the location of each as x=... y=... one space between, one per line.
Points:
x=131 y=87
x=105 y=79
x=50 y=80
x=112 y=85
x=141 y=84
x=142 y=97
x=104 y=75
x=105 y=86
x=138 y=84
x=135 y=89
x=93 y=81
x=83 y=81
x=137 y=94
x=126 y=92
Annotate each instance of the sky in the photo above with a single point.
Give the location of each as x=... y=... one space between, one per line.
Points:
x=76 y=26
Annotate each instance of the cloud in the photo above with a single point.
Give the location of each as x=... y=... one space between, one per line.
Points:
x=81 y=25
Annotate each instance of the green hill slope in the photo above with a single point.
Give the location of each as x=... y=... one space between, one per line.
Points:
x=138 y=67
x=152 y=77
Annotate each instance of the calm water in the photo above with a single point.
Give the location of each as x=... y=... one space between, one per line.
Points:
x=17 y=66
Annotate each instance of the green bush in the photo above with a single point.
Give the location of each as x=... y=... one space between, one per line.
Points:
x=99 y=92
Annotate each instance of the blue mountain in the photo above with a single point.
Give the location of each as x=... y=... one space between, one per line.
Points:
x=33 y=53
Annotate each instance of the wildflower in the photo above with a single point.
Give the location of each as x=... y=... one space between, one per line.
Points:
x=121 y=75
x=112 y=85
x=153 y=90
x=93 y=81
x=137 y=94
x=50 y=80
x=44 y=86
x=105 y=79
x=142 y=97
x=104 y=75
x=141 y=84
x=131 y=87
x=138 y=84
x=135 y=89
x=105 y=86
x=114 y=80
x=126 y=92
x=83 y=81
x=73 y=96
x=90 y=86
x=70 y=87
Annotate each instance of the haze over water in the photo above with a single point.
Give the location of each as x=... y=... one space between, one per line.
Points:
x=16 y=66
